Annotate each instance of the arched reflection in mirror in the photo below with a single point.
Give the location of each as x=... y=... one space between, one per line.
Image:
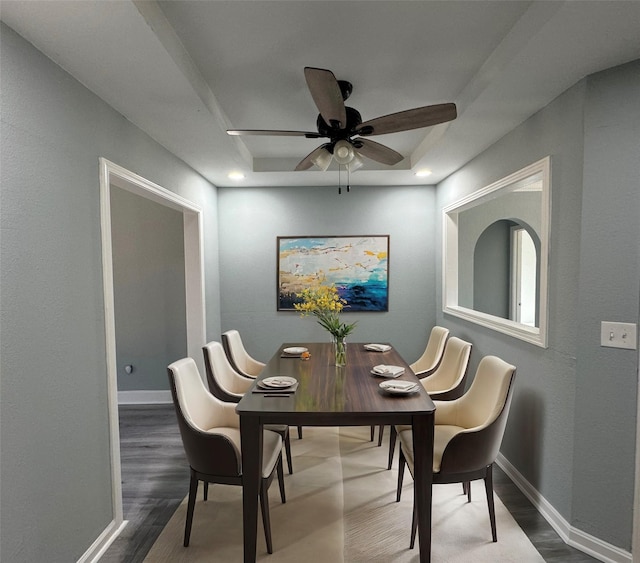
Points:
x=505 y=272
x=495 y=254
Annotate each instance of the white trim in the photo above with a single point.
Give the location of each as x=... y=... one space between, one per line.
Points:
x=151 y=397
x=102 y=543
x=112 y=174
x=110 y=331
x=635 y=539
x=518 y=180
x=574 y=537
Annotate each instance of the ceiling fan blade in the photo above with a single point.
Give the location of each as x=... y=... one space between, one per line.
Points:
x=307 y=134
x=376 y=151
x=307 y=161
x=327 y=95
x=409 y=119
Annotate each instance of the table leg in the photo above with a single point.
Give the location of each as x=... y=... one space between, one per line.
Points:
x=251 y=437
x=423 y=479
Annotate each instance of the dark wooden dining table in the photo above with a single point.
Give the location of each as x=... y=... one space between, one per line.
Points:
x=327 y=395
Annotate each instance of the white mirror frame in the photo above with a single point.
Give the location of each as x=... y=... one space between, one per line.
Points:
x=450 y=216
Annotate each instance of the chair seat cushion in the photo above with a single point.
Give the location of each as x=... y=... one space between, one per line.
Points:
x=271 y=446
x=442 y=435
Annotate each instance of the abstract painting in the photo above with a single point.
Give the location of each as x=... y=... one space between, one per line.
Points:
x=357 y=265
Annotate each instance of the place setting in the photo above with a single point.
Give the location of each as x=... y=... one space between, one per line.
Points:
x=294 y=352
x=279 y=386
x=400 y=387
x=383 y=370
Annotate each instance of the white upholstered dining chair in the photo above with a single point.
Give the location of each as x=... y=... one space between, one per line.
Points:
x=447 y=382
x=210 y=431
x=468 y=433
x=426 y=363
x=229 y=386
x=238 y=356
x=241 y=360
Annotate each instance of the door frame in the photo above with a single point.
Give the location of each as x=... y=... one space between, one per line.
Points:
x=635 y=540
x=113 y=174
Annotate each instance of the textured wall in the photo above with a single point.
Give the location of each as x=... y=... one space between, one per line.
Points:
x=149 y=289
x=607 y=378
x=250 y=221
x=571 y=433
x=55 y=464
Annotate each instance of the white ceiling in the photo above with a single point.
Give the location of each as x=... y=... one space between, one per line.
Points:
x=184 y=71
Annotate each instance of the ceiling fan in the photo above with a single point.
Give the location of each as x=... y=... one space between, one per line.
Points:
x=344 y=128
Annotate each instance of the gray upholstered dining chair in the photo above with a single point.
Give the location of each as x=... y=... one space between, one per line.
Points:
x=210 y=431
x=447 y=382
x=427 y=363
x=229 y=386
x=468 y=433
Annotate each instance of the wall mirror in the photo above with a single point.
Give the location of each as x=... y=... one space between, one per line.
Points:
x=495 y=256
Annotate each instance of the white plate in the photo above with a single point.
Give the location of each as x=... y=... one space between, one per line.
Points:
x=400 y=387
x=277 y=382
x=295 y=350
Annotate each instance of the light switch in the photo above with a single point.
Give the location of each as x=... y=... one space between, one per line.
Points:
x=618 y=335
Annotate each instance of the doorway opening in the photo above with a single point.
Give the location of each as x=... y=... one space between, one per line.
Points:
x=523 y=277
x=113 y=175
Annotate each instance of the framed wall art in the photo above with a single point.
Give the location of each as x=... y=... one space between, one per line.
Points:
x=358 y=265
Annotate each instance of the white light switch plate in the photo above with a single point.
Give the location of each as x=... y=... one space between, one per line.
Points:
x=618 y=335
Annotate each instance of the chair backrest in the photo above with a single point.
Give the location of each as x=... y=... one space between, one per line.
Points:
x=199 y=414
x=433 y=352
x=238 y=356
x=224 y=382
x=487 y=395
x=483 y=411
x=451 y=372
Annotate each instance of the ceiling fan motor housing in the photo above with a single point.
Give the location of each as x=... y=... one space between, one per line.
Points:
x=335 y=133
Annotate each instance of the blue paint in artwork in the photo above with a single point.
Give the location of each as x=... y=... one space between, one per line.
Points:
x=371 y=296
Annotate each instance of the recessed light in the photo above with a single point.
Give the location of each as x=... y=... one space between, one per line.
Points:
x=235 y=176
x=423 y=172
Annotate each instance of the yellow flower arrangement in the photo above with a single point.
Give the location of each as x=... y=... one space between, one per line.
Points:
x=324 y=303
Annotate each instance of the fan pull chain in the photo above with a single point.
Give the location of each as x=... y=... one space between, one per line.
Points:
x=340 y=179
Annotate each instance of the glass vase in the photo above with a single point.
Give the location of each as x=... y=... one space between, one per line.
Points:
x=340 y=351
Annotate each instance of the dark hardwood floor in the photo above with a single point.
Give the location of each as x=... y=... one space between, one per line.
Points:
x=155 y=479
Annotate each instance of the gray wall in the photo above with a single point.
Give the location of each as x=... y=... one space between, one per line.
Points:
x=606 y=394
x=252 y=218
x=55 y=464
x=149 y=289
x=492 y=271
x=571 y=431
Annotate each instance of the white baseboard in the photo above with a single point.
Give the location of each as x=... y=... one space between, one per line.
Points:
x=144 y=397
x=102 y=543
x=586 y=543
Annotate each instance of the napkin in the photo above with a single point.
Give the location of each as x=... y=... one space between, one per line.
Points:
x=399 y=385
x=388 y=371
x=377 y=347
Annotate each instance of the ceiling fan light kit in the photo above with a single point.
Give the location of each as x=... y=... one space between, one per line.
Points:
x=344 y=127
x=343 y=152
x=322 y=159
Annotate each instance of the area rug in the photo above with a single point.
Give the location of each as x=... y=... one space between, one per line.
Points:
x=341 y=508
